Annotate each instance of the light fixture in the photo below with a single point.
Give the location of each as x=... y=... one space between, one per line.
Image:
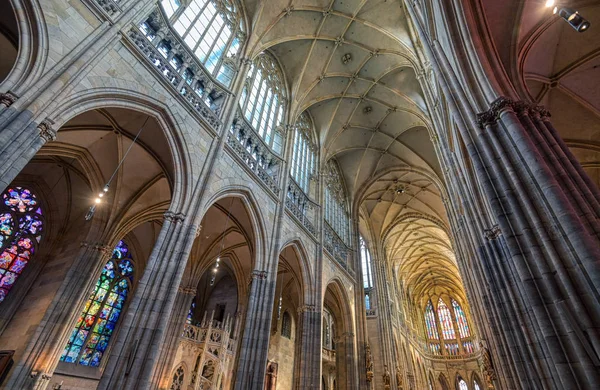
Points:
x=218 y=260
x=571 y=16
x=549 y=3
x=98 y=200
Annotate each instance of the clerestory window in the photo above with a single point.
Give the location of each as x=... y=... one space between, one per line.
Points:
x=336 y=214
x=303 y=157
x=213 y=30
x=263 y=100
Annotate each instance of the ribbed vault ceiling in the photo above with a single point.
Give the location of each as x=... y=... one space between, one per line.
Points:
x=351 y=65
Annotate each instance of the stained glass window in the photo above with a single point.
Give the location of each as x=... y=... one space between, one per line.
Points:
x=190 y=315
x=432 y=331
x=445 y=320
x=335 y=201
x=461 y=320
x=468 y=347
x=303 y=159
x=451 y=349
x=21 y=228
x=462 y=385
x=99 y=317
x=476 y=385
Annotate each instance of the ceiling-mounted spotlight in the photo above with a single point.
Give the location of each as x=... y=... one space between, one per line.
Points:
x=578 y=22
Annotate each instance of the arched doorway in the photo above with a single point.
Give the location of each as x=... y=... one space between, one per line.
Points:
x=9 y=39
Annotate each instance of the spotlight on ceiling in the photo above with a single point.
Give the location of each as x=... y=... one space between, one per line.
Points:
x=578 y=22
x=549 y=3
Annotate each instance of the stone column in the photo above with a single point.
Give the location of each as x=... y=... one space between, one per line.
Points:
x=255 y=340
x=43 y=352
x=134 y=356
x=177 y=320
x=19 y=149
x=308 y=350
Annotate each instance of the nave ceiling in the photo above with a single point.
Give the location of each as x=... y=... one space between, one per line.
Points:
x=351 y=65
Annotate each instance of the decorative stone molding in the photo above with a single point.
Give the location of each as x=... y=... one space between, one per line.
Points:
x=187 y=290
x=307 y=309
x=503 y=104
x=174 y=217
x=492 y=233
x=258 y=274
x=47 y=133
x=7 y=99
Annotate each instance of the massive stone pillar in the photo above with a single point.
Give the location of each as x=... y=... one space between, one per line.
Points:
x=134 y=356
x=168 y=350
x=43 y=352
x=255 y=340
x=308 y=348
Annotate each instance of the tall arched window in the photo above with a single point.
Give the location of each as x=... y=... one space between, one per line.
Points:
x=190 y=315
x=476 y=385
x=21 y=227
x=213 y=30
x=99 y=317
x=432 y=331
x=286 y=325
x=303 y=157
x=365 y=259
x=336 y=214
x=462 y=385
x=461 y=320
x=263 y=100
x=445 y=320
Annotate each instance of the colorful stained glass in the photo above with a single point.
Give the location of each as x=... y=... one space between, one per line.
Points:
x=21 y=227
x=432 y=332
x=461 y=320
x=102 y=310
x=445 y=320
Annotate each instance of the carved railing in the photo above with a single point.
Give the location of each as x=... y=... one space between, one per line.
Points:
x=109 y=7
x=250 y=147
x=301 y=206
x=336 y=247
x=198 y=95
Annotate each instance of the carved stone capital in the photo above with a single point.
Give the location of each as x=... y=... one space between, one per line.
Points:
x=187 y=290
x=307 y=309
x=47 y=133
x=492 y=233
x=7 y=99
x=174 y=217
x=258 y=274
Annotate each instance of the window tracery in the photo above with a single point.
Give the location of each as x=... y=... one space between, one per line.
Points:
x=91 y=335
x=213 y=30
x=263 y=100
x=304 y=153
x=21 y=230
x=178 y=376
x=367 y=270
x=336 y=214
x=462 y=385
x=430 y=322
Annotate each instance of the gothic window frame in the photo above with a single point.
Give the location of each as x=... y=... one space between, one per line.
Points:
x=265 y=92
x=304 y=153
x=178 y=374
x=286 y=325
x=202 y=25
x=367 y=270
x=22 y=228
x=336 y=212
x=464 y=330
x=120 y=275
x=461 y=384
x=431 y=322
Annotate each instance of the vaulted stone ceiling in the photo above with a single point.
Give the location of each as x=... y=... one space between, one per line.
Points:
x=556 y=66
x=351 y=65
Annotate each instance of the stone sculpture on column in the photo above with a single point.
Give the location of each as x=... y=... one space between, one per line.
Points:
x=387 y=378
x=369 y=363
x=398 y=378
x=487 y=366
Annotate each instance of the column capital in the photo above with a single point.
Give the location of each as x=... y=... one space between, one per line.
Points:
x=492 y=233
x=47 y=132
x=174 y=217
x=187 y=290
x=259 y=274
x=519 y=107
x=96 y=246
x=7 y=99
x=307 y=309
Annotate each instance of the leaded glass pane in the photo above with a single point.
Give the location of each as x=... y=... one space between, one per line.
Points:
x=445 y=320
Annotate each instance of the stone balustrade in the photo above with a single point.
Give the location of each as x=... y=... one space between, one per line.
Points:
x=205 y=97
x=109 y=7
x=253 y=151
x=328 y=355
x=301 y=207
x=336 y=247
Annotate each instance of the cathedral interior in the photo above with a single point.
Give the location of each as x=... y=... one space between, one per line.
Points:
x=299 y=194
